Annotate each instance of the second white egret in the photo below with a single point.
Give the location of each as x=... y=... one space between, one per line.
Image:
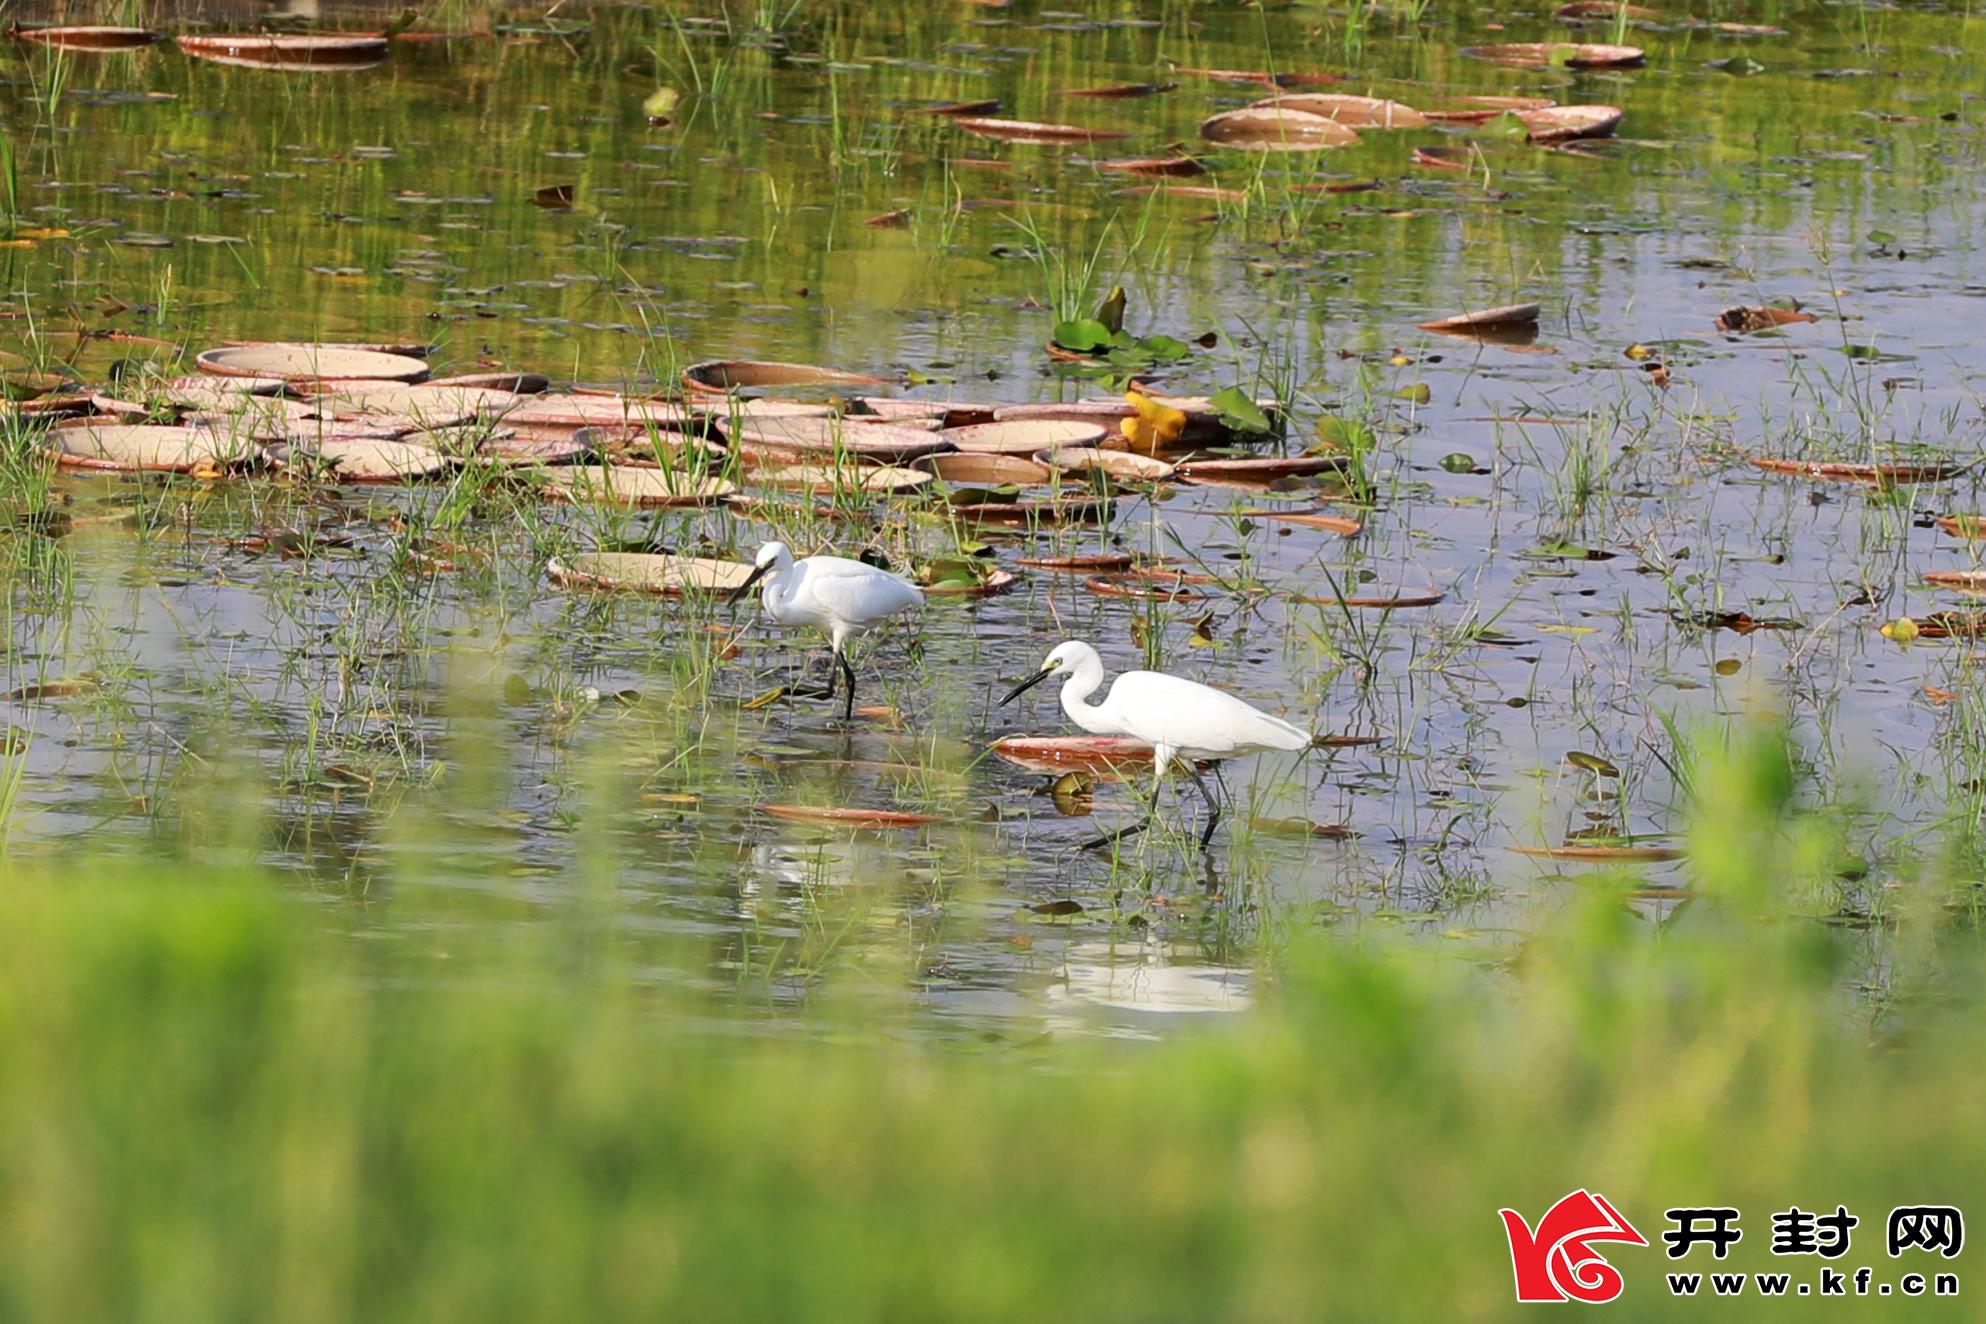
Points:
x=843 y=599
x=1182 y=720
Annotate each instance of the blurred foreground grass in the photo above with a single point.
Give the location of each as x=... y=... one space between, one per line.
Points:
x=209 y=1110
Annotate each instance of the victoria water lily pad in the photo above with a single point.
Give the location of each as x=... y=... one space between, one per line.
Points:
x=1032 y=131
x=668 y=576
x=324 y=52
x=89 y=38
x=1353 y=112
x=1559 y=55
x=720 y=376
x=1600 y=854
x=363 y=459
x=1124 y=466
x=986 y=469
x=1511 y=315
x=843 y=478
x=1588 y=11
x=602 y=411
x=117 y=447
x=1895 y=475
x=1256 y=470
x=1056 y=754
x=1479 y=109
x=1274 y=129
x=1745 y=320
x=871 y=819
x=1024 y=436
x=304 y=362
x=1311 y=519
x=432 y=405
x=810 y=439
x=1156 y=167
x=1556 y=124
x=627 y=486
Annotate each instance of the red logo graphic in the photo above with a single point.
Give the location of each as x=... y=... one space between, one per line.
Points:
x=1555 y=1263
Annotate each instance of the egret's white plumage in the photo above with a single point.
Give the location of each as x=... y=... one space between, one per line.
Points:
x=843 y=599
x=1182 y=720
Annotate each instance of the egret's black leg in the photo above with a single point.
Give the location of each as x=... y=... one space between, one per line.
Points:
x=1213 y=805
x=848 y=709
x=815 y=692
x=1110 y=839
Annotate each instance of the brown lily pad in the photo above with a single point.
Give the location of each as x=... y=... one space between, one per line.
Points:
x=1058 y=754
x=1516 y=314
x=1747 y=320
x=827 y=479
x=665 y=576
x=517 y=383
x=1121 y=91
x=1035 y=131
x=1025 y=436
x=1256 y=470
x=320 y=53
x=1480 y=109
x=986 y=469
x=95 y=37
x=363 y=459
x=1091 y=563
x=1275 y=129
x=1603 y=854
x=122 y=448
x=1587 y=11
x=1965 y=581
x=307 y=362
x=1310 y=519
x=721 y=376
x=1374 y=601
x=1124 y=466
x=1144 y=590
x=1351 y=111
x=602 y=411
x=1894 y=475
x=1557 y=124
x=1559 y=55
x=872 y=819
x=990 y=106
x=1156 y=167
x=1963 y=526
x=810 y=439
x=629 y=486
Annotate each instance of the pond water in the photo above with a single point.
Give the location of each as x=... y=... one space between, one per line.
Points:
x=394 y=705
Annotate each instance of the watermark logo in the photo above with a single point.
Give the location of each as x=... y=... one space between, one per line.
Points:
x=1557 y=1262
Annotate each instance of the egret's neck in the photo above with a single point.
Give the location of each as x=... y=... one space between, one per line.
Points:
x=1082 y=682
x=778 y=583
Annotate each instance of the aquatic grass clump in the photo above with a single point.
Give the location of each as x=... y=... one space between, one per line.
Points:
x=217 y=1109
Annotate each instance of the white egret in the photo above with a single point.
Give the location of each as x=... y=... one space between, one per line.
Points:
x=843 y=599
x=1182 y=720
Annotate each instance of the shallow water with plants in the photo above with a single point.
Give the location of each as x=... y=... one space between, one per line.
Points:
x=1540 y=569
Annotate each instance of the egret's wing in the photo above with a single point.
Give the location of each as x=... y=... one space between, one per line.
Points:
x=854 y=592
x=1187 y=715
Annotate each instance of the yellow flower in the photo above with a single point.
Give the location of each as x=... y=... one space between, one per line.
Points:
x=1153 y=426
x=1902 y=630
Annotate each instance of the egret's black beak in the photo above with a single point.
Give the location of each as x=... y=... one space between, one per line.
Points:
x=758 y=573
x=1025 y=686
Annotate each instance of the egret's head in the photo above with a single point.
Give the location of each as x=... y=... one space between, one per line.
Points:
x=771 y=556
x=1061 y=658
